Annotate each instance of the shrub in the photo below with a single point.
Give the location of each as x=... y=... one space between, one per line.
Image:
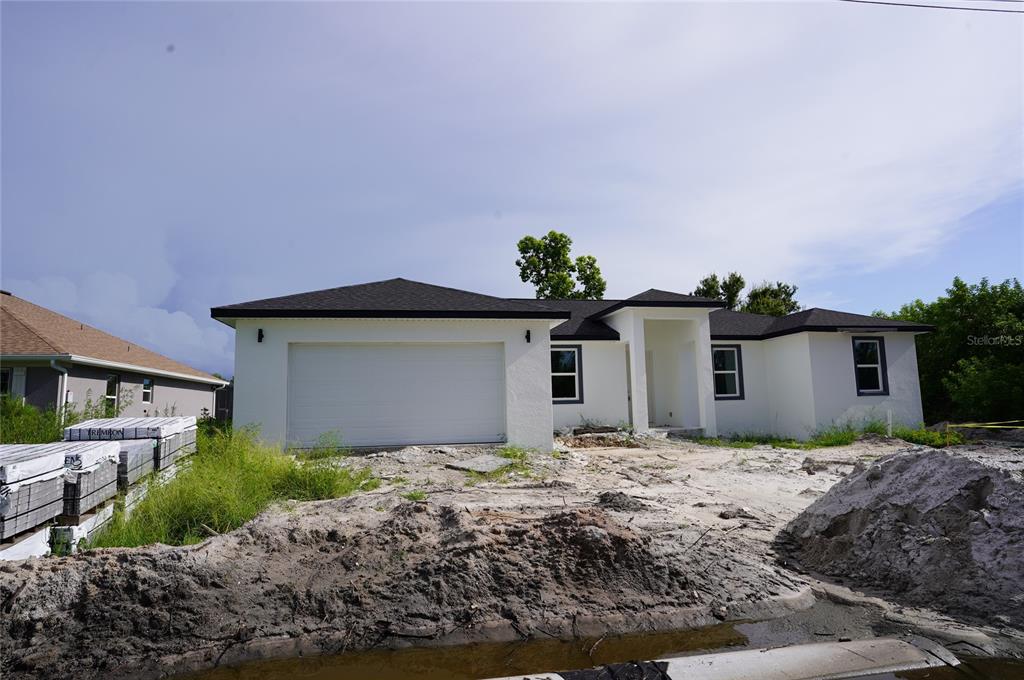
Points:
x=231 y=479
x=21 y=423
x=415 y=495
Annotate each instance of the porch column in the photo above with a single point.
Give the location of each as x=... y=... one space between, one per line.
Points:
x=706 y=378
x=638 y=374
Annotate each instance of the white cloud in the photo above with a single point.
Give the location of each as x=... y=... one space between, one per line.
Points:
x=314 y=145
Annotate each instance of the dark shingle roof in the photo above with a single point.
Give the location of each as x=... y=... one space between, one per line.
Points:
x=580 y=326
x=404 y=298
x=660 y=298
x=388 y=299
x=729 y=325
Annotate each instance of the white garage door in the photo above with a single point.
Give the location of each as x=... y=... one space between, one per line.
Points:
x=390 y=394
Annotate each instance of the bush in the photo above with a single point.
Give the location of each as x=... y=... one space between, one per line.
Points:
x=231 y=479
x=21 y=423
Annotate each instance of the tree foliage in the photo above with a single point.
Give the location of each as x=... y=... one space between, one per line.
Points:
x=546 y=263
x=972 y=365
x=728 y=289
x=775 y=299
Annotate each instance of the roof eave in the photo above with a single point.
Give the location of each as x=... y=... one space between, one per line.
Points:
x=645 y=303
x=119 y=365
x=825 y=329
x=222 y=314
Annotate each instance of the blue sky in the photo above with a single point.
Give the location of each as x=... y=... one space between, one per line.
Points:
x=162 y=158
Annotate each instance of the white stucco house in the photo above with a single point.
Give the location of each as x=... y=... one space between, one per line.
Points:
x=400 y=362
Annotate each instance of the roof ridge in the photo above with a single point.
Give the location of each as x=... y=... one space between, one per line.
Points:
x=30 y=328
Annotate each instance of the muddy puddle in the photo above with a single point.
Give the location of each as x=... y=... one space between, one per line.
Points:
x=493 y=660
x=490 y=660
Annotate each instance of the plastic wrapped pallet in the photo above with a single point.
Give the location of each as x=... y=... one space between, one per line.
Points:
x=129 y=428
x=175 y=435
x=90 y=475
x=136 y=461
x=31 y=486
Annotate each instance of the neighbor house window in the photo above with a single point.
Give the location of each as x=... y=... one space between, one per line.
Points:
x=147 y=390
x=727 y=365
x=5 y=381
x=567 y=374
x=869 y=366
x=111 y=396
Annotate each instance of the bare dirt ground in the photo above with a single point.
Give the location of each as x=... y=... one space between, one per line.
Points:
x=584 y=542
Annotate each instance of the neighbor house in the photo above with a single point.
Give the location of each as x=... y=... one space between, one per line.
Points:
x=400 y=362
x=50 y=360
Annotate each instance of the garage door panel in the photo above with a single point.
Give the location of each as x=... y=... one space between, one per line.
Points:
x=396 y=393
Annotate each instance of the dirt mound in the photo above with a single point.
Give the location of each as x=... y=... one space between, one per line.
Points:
x=313 y=580
x=616 y=500
x=937 y=528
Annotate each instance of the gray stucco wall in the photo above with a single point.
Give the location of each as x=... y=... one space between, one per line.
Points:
x=177 y=397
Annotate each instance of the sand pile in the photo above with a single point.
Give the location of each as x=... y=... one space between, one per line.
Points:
x=310 y=581
x=937 y=528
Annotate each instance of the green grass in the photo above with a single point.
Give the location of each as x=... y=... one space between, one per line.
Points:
x=415 y=495
x=231 y=479
x=835 y=435
x=328 y=445
x=928 y=437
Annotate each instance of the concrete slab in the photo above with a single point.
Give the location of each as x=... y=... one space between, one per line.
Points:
x=484 y=464
x=834 y=660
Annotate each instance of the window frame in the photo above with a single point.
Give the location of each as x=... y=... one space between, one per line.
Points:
x=883 y=369
x=578 y=374
x=740 y=393
x=116 y=397
x=9 y=372
x=150 y=391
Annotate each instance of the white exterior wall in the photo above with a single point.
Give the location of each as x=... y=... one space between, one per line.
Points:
x=694 y=336
x=835 y=385
x=750 y=414
x=797 y=384
x=261 y=369
x=605 y=395
x=790 y=398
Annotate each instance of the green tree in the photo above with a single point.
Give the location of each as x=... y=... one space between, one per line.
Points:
x=728 y=290
x=774 y=299
x=972 y=365
x=545 y=262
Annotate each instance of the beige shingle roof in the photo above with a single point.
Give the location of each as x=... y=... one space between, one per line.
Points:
x=28 y=329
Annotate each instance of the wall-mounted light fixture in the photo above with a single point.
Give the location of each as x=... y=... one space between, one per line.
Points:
x=527 y=336
x=259 y=335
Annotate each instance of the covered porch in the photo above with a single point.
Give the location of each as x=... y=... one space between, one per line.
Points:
x=668 y=368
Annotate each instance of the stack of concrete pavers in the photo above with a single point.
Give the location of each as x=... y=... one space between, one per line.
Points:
x=90 y=476
x=137 y=456
x=176 y=435
x=31 y=486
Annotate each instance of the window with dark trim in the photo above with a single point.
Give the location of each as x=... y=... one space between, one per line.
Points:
x=110 y=398
x=147 y=390
x=567 y=374
x=869 y=366
x=727 y=367
x=5 y=381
